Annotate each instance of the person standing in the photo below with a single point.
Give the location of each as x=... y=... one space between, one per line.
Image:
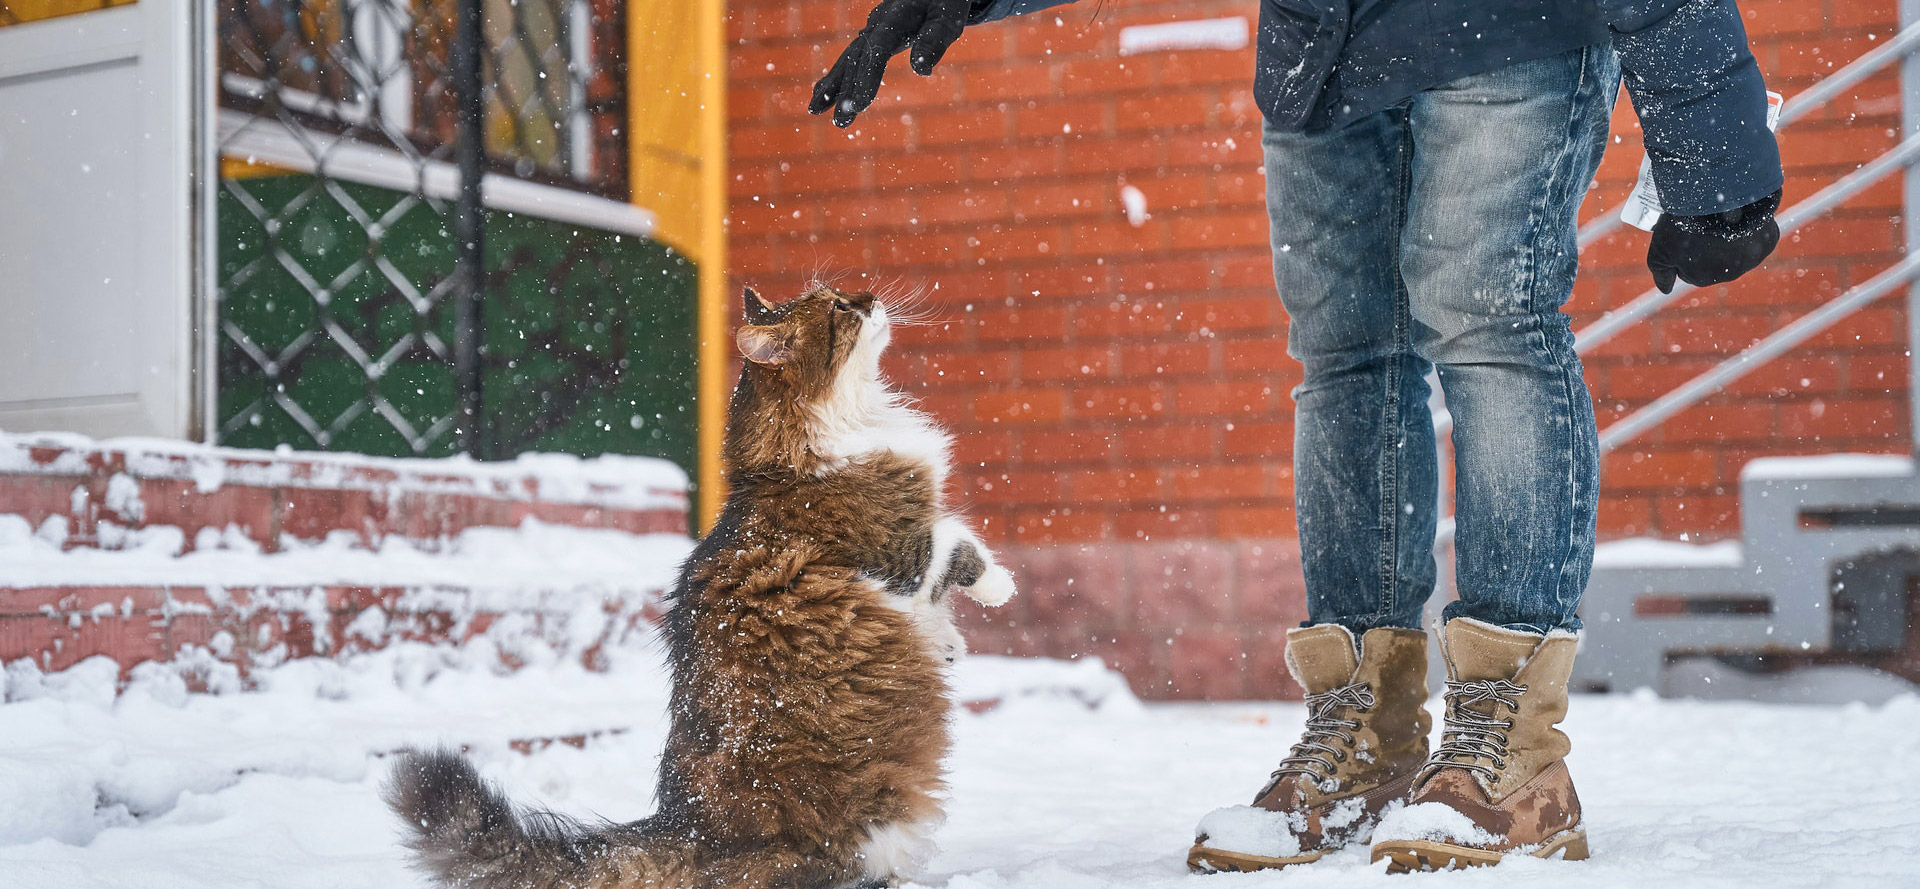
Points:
x=1425 y=164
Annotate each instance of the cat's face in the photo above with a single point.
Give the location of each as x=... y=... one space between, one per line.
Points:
x=821 y=341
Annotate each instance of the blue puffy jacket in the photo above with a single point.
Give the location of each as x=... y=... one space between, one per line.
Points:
x=1323 y=63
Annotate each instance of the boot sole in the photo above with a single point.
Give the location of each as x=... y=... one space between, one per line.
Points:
x=1406 y=856
x=1204 y=860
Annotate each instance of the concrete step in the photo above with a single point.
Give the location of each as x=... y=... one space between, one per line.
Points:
x=92 y=494
x=1828 y=549
x=161 y=551
x=264 y=626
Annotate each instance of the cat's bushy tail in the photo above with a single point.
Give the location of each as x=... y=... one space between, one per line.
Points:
x=465 y=833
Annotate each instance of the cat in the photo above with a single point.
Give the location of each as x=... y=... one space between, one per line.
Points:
x=809 y=635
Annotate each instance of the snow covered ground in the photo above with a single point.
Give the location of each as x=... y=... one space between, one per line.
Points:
x=1067 y=783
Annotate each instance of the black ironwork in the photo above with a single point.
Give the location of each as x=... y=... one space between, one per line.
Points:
x=360 y=267
x=469 y=229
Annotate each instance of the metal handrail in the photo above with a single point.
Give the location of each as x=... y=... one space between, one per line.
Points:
x=1608 y=326
x=1695 y=390
x=1771 y=346
x=1802 y=103
x=1778 y=343
x=1898 y=158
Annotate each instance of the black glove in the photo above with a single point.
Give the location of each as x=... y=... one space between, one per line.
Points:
x=1713 y=249
x=928 y=26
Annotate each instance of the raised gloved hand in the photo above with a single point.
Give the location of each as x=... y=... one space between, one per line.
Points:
x=927 y=26
x=1713 y=249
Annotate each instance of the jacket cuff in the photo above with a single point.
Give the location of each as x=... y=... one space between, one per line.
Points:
x=1702 y=107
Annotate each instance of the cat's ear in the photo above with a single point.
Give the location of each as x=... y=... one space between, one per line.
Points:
x=756 y=309
x=763 y=345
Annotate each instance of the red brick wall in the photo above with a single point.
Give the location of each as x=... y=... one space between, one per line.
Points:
x=1119 y=393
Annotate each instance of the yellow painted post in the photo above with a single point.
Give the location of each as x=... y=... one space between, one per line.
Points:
x=677 y=137
x=713 y=317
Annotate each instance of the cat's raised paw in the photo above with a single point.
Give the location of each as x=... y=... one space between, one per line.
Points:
x=994 y=587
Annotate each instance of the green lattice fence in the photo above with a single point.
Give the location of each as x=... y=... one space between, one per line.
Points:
x=337 y=340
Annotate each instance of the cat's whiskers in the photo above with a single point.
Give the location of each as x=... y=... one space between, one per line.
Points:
x=918 y=321
x=908 y=305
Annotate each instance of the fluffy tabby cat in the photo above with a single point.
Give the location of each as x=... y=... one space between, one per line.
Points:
x=809 y=634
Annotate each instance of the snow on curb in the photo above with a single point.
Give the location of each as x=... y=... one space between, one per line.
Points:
x=1653 y=552
x=75 y=758
x=1825 y=466
x=504 y=561
x=990 y=681
x=610 y=480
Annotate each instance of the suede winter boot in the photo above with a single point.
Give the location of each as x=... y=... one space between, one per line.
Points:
x=1497 y=785
x=1365 y=741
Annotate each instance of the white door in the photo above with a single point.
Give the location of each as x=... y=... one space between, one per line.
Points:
x=96 y=209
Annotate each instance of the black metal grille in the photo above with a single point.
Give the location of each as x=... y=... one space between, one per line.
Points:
x=357 y=266
x=381 y=72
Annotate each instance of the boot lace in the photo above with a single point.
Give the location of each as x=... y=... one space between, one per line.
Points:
x=1316 y=746
x=1475 y=740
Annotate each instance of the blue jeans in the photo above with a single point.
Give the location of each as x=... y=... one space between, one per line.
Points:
x=1440 y=234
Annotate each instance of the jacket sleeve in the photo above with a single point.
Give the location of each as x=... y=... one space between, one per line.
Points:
x=1702 y=104
x=994 y=10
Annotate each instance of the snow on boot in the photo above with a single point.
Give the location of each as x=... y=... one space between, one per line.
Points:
x=1365 y=741
x=1497 y=785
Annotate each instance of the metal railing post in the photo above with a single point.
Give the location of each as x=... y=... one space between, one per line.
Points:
x=469 y=316
x=1910 y=126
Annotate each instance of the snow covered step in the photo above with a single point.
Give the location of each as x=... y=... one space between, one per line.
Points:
x=166 y=552
x=1829 y=545
x=262 y=626
x=538 y=585
x=80 y=493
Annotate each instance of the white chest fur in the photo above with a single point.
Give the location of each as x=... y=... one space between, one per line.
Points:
x=849 y=430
